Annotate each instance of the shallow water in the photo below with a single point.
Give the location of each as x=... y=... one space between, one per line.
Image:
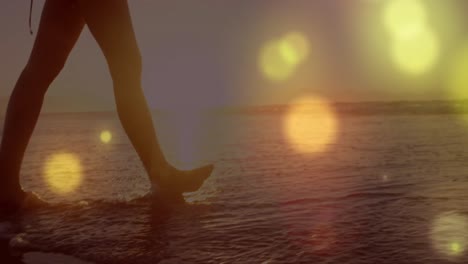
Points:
x=391 y=189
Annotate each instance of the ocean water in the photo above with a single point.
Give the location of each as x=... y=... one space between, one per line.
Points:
x=389 y=189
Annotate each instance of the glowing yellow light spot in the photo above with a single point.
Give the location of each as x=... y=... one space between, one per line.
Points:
x=63 y=172
x=310 y=125
x=457 y=77
x=418 y=54
x=456 y=248
x=294 y=48
x=404 y=18
x=279 y=59
x=106 y=137
x=274 y=64
x=449 y=234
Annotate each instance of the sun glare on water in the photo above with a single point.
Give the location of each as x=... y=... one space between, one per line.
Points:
x=63 y=172
x=311 y=125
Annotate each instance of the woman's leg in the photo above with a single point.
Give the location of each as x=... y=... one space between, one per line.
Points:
x=60 y=27
x=110 y=23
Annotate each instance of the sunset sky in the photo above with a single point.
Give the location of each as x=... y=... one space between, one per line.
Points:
x=205 y=53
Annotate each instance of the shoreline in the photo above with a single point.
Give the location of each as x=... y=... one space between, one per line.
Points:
x=34 y=257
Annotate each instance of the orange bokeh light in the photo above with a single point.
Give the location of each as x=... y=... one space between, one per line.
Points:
x=311 y=125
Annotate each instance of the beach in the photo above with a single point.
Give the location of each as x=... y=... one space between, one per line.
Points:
x=387 y=189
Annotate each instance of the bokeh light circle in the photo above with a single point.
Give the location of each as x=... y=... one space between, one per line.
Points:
x=280 y=58
x=106 y=137
x=294 y=48
x=274 y=64
x=63 y=172
x=404 y=18
x=449 y=234
x=416 y=55
x=310 y=125
x=457 y=79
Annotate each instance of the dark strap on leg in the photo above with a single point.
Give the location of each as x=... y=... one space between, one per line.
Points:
x=30 y=17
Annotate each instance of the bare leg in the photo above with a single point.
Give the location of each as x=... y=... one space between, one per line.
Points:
x=110 y=23
x=60 y=27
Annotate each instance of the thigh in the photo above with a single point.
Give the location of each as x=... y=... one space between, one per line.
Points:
x=59 y=29
x=110 y=23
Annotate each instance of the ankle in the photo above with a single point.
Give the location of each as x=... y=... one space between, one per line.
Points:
x=12 y=195
x=159 y=172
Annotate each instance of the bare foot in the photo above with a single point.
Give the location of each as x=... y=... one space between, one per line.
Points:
x=173 y=182
x=186 y=181
x=32 y=201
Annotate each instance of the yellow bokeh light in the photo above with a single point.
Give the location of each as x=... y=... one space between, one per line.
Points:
x=106 y=137
x=294 y=48
x=404 y=18
x=381 y=31
x=280 y=58
x=449 y=234
x=455 y=248
x=418 y=54
x=63 y=172
x=457 y=76
x=274 y=64
x=310 y=125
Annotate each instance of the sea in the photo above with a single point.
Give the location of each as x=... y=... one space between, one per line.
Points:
x=391 y=187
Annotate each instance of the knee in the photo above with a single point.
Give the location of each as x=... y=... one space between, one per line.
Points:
x=126 y=68
x=43 y=72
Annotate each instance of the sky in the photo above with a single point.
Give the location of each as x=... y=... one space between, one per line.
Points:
x=206 y=53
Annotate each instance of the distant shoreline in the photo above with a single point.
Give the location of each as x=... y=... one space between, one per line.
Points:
x=368 y=108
